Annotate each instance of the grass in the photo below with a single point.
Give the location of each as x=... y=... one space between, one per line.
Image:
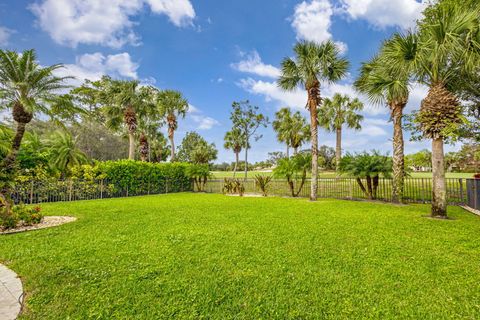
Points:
x=332 y=174
x=194 y=256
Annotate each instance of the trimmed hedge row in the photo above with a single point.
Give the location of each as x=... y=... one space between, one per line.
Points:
x=104 y=180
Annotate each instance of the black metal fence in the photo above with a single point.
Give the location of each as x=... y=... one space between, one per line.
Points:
x=417 y=190
x=473 y=193
x=35 y=191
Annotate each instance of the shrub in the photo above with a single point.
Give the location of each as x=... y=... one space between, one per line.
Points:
x=369 y=167
x=21 y=215
x=200 y=174
x=233 y=186
x=294 y=169
x=263 y=182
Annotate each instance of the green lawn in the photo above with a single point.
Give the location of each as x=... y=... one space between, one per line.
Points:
x=332 y=174
x=194 y=256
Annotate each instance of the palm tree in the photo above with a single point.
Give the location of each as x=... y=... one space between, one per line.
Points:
x=313 y=63
x=385 y=86
x=63 y=152
x=172 y=105
x=300 y=131
x=334 y=113
x=445 y=49
x=234 y=141
x=283 y=127
x=27 y=88
x=125 y=102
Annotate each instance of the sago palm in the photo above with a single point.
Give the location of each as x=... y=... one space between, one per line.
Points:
x=446 y=48
x=234 y=141
x=63 y=152
x=27 y=89
x=172 y=105
x=385 y=86
x=312 y=64
x=338 y=112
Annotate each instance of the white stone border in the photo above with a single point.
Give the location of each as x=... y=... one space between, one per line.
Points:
x=11 y=294
x=48 y=222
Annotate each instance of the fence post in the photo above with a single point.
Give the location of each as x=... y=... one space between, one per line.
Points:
x=101 y=189
x=31 y=192
x=166 y=185
x=461 y=191
x=70 y=187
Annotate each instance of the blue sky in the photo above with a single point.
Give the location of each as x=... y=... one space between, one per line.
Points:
x=214 y=51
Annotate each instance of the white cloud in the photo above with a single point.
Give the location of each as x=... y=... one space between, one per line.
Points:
x=202 y=122
x=180 y=12
x=5 y=34
x=94 y=65
x=312 y=21
x=71 y=22
x=385 y=13
x=417 y=94
x=253 y=64
x=372 y=131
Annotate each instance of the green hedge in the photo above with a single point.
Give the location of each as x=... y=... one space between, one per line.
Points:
x=105 y=179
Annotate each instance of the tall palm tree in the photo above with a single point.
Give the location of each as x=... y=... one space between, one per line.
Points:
x=125 y=103
x=172 y=105
x=27 y=88
x=234 y=141
x=313 y=63
x=63 y=152
x=388 y=87
x=446 y=48
x=334 y=113
x=283 y=127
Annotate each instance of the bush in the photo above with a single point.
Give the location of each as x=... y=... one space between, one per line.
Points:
x=263 y=182
x=20 y=215
x=233 y=186
x=199 y=173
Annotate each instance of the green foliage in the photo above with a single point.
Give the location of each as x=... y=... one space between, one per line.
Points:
x=199 y=173
x=195 y=149
x=233 y=186
x=64 y=153
x=291 y=129
x=367 y=166
x=422 y=158
x=20 y=215
x=339 y=111
x=295 y=170
x=263 y=183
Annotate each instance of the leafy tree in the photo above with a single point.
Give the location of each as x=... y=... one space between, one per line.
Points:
x=369 y=167
x=295 y=170
x=64 y=153
x=247 y=119
x=313 y=63
x=445 y=49
x=27 y=88
x=275 y=157
x=420 y=159
x=172 y=105
x=234 y=141
x=195 y=149
x=337 y=112
x=328 y=155
x=386 y=85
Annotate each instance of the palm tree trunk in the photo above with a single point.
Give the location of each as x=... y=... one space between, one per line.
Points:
x=236 y=163
x=338 y=150
x=172 y=144
x=398 y=154
x=131 y=145
x=9 y=161
x=439 y=194
x=288 y=151
x=295 y=151
x=313 y=102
